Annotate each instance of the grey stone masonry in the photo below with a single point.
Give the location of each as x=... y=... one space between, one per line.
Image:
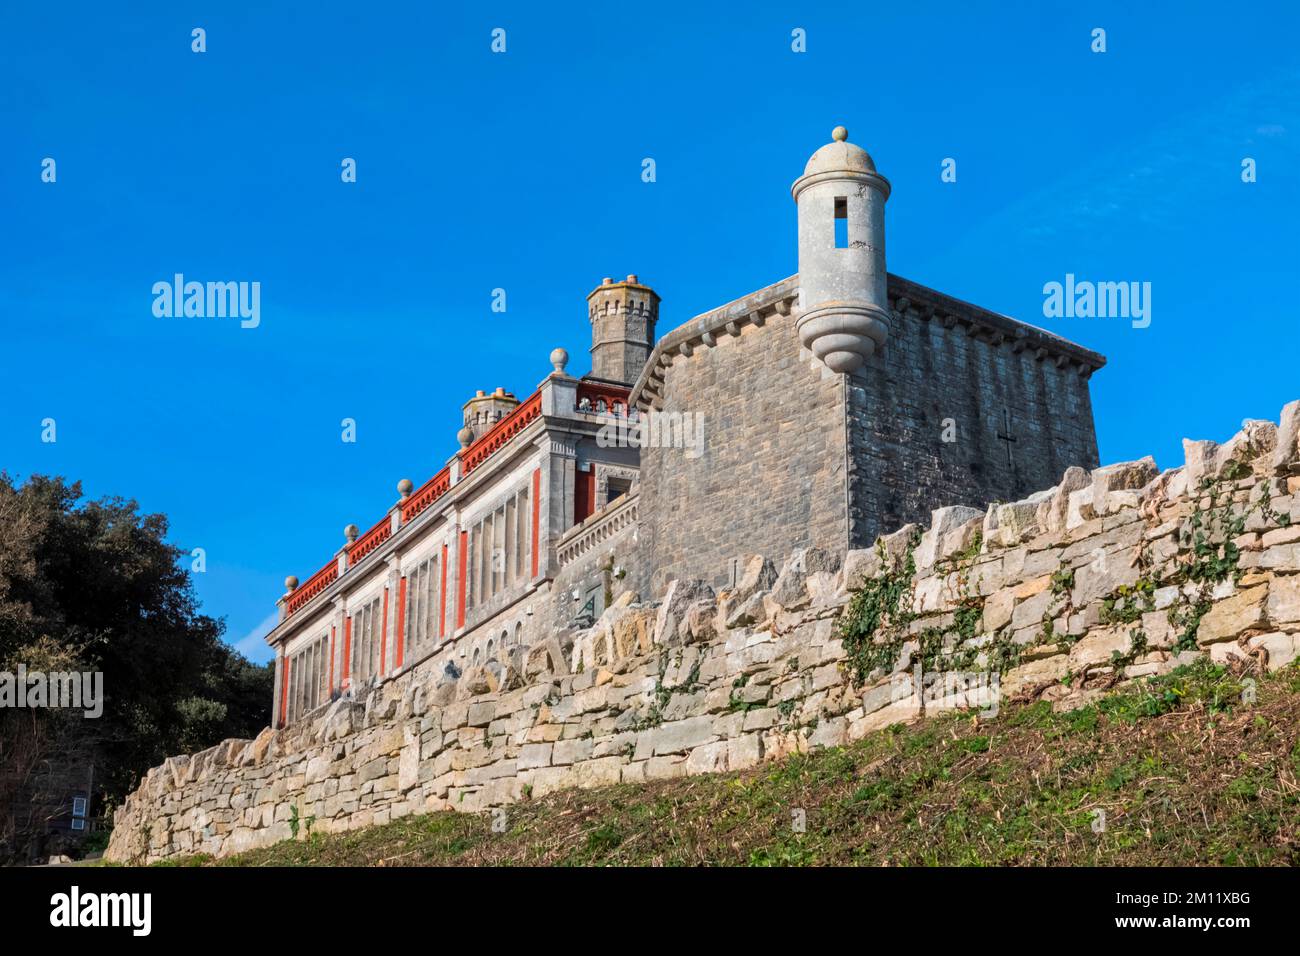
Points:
x=1099 y=579
x=960 y=406
x=771 y=476
x=623 y=316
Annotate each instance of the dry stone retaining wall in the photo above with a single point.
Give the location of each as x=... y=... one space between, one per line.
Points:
x=1113 y=574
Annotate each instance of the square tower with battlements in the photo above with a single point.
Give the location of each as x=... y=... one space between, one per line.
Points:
x=844 y=402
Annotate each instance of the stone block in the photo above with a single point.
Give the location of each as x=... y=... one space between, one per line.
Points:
x=1232 y=616
x=681 y=735
x=1286 y=456
x=532 y=756
x=1284 y=600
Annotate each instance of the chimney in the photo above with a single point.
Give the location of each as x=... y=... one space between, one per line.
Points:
x=484 y=410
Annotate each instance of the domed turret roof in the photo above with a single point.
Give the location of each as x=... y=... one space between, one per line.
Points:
x=839 y=155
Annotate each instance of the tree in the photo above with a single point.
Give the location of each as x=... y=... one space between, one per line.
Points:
x=95 y=585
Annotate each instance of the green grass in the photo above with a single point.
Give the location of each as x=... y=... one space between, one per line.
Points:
x=1185 y=773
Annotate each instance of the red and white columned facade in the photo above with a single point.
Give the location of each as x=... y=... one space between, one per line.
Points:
x=469 y=562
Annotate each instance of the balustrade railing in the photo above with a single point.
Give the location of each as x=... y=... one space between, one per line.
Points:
x=428 y=493
x=313 y=586
x=601 y=526
x=602 y=399
x=500 y=433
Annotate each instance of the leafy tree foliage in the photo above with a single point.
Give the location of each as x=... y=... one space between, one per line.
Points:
x=95 y=586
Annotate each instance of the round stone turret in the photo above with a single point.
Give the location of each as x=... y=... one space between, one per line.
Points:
x=843 y=304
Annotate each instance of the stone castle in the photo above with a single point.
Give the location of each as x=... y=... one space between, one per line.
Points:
x=1108 y=576
x=554 y=609
x=830 y=406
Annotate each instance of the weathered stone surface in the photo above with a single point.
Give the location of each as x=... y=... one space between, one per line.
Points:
x=1256 y=441
x=681 y=735
x=1284 y=601
x=545 y=657
x=1229 y=618
x=672 y=612
x=724 y=689
x=759 y=575
x=943 y=521
x=1201 y=459
x=1128 y=475
x=1286 y=457
x=1055 y=510
x=341 y=720
x=1018 y=521
x=860 y=565
x=1035 y=674
x=790 y=590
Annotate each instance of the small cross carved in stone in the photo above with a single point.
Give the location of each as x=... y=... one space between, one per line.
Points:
x=1005 y=433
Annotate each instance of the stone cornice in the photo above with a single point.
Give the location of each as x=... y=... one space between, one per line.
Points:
x=905 y=297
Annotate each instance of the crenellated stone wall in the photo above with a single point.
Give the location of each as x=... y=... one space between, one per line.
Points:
x=1113 y=574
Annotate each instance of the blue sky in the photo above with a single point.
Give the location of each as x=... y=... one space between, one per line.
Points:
x=522 y=171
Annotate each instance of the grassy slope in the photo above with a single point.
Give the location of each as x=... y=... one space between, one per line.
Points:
x=1186 y=774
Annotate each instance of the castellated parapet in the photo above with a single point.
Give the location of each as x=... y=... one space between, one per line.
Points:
x=623 y=317
x=1111 y=575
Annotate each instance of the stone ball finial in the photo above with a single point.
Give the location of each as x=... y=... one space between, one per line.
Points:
x=291 y=583
x=405 y=487
x=839 y=134
x=465 y=436
x=351 y=532
x=559 y=358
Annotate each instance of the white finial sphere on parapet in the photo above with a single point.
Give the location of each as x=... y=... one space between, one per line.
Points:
x=291 y=583
x=351 y=532
x=465 y=436
x=559 y=358
x=405 y=487
x=839 y=134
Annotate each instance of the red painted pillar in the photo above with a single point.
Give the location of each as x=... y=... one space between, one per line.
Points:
x=584 y=496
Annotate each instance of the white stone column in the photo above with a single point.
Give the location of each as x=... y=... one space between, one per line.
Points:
x=559 y=469
x=277 y=690
x=393 y=584
x=338 y=616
